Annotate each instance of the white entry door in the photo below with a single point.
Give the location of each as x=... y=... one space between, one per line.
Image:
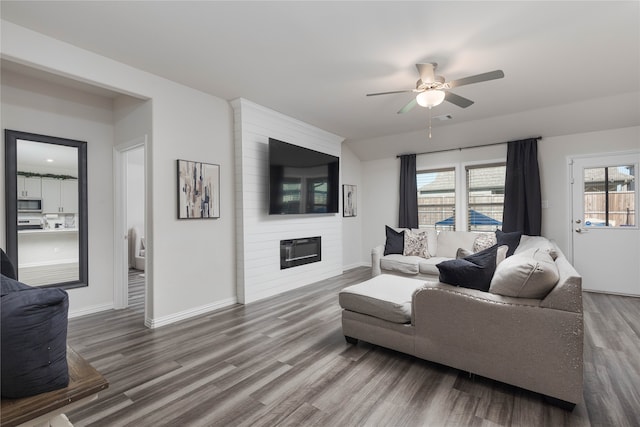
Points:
x=606 y=237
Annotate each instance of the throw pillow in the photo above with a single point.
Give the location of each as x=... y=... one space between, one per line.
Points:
x=510 y=239
x=7 y=266
x=484 y=241
x=33 y=355
x=395 y=241
x=501 y=253
x=533 y=242
x=531 y=274
x=474 y=271
x=415 y=244
x=462 y=252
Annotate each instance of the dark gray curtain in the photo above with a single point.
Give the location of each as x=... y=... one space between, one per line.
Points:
x=522 y=205
x=408 y=212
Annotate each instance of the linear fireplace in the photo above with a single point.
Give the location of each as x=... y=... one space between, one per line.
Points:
x=294 y=252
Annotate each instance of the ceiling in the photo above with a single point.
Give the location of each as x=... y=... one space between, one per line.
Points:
x=315 y=61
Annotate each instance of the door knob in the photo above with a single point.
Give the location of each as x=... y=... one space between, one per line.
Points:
x=578 y=221
x=579 y=230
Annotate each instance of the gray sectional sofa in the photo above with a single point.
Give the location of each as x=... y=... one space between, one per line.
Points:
x=521 y=332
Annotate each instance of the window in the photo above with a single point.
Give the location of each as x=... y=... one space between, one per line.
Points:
x=485 y=197
x=609 y=196
x=437 y=199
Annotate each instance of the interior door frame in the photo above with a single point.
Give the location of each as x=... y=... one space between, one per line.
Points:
x=120 y=242
x=571 y=189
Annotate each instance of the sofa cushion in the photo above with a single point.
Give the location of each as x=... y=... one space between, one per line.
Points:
x=415 y=244
x=529 y=274
x=386 y=297
x=429 y=266
x=450 y=241
x=539 y=242
x=33 y=355
x=400 y=263
x=395 y=241
x=474 y=271
x=511 y=239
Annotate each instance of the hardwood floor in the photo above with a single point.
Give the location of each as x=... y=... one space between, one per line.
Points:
x=283 y=361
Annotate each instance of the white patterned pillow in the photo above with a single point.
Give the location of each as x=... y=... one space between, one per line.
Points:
x=484 y=241
x=415 y=244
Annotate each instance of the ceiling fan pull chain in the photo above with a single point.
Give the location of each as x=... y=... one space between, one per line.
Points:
x=429 y=122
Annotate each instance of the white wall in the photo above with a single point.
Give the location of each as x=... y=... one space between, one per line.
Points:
x=351 y=170
x=380 y=195
x=37 y=106
x=258 y=234
x=191 y=264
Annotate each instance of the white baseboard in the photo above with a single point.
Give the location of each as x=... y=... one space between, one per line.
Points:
x=355 y=265
x=187 y=314
x=90 y=310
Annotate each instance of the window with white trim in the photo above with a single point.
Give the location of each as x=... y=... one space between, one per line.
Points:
x=485 y=197
x=437 y=198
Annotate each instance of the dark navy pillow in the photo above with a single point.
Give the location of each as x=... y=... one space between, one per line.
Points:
x=512 y=240
x=395 y=241
x=33 y=327
x=474 y=271
x=6 y=267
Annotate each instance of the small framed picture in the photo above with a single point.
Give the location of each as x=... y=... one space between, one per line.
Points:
x=349 y=200
x=198 y=190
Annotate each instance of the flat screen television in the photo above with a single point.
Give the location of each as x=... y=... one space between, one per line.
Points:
x=302 y=181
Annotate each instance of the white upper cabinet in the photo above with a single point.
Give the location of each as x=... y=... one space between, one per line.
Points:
x=29 y=187
x=59 y=195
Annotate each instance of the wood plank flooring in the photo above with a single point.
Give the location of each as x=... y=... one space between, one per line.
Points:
x=284 y=362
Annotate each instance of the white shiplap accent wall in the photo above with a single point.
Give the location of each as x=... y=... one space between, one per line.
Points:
x=258 y=234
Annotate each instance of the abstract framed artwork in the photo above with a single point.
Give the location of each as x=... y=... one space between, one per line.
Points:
x=349 y=200
x=198 y=190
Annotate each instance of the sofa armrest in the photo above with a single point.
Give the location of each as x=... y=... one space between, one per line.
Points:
x=376 y=255
x=513 y=340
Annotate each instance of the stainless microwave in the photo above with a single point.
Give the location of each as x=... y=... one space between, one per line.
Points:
x=29 y=205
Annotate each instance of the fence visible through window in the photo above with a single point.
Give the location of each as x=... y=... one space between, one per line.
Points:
x=609 y=196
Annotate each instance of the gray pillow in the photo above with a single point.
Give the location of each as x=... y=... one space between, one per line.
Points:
x=530 y=274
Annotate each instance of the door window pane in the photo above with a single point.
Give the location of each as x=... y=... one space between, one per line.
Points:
x=485 y=197
x=609 y=196
x=437 y=199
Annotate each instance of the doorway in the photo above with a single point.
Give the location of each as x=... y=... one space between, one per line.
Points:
x=131 y=286
x=605 y=231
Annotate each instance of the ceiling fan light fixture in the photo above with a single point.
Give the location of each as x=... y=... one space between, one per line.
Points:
x=430 y=98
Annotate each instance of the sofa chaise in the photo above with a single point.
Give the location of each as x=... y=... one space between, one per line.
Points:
x=514 y=333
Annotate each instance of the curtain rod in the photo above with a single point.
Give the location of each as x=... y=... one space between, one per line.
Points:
x=464 y=148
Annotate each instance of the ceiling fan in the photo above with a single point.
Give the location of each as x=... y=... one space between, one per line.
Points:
x=432 y=90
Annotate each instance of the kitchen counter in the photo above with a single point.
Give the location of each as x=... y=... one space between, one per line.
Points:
x=49 y=230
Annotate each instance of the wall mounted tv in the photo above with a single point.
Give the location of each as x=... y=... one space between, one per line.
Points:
x=302 y=181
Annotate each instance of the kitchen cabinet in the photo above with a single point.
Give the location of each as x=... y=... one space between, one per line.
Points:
x=29 y=187
x=59 y=195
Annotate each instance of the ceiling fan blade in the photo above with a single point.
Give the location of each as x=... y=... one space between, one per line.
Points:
x=408 y=107
x=427 y=72
x=388 y=93
x=458 y=100
x=491 y=75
